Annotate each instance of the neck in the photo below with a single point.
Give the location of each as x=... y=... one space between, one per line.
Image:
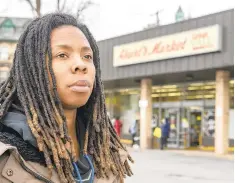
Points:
x=71 y=120
x=71 y=125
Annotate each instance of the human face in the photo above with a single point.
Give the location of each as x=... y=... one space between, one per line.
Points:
x=73 y=66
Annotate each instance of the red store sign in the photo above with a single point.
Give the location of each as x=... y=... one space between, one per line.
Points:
x=193 y=42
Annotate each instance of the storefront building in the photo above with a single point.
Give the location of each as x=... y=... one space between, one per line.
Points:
x=10 y=31
x=182 y=71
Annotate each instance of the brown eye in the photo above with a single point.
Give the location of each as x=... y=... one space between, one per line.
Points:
x=62 y=56
x=88 y=57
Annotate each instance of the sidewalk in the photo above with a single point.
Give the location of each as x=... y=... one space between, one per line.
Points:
x=180 y=166
x=191 y=153
x=201 y=153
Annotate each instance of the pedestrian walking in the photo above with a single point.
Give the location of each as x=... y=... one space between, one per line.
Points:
x=165 y=130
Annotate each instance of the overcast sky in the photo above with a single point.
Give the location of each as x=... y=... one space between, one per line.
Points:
x=110 y=18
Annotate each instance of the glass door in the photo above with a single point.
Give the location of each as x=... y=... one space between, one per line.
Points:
x=173 y=115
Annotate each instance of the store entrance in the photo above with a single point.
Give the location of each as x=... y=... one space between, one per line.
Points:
x=176 y=135
x=185 y=126
x=195 y=121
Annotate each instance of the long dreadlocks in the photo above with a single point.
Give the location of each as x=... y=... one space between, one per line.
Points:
x=29 y=84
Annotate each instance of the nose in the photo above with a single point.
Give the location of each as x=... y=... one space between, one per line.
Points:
x=79 y=66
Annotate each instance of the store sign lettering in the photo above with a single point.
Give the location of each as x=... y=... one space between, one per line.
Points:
x=193 y=42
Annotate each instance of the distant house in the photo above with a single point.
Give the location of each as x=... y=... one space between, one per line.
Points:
x=10 y=31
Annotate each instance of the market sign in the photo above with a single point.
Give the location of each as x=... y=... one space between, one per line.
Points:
x=194 y=42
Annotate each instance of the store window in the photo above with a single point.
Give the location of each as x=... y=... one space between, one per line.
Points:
x=4 y=53
x=123 y=103
x=169 y=93
x=4 y=72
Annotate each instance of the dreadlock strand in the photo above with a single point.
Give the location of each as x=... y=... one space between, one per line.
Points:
x=29 y=118
x=25 y=98
x=68 y=172
x=102 y=164
x=7 y=101
x=31 y=121
x=128 y=168
x=57 y=162
x=114 y=167
x=37 y=74
x=39 y=85
x=60 y=121
x=17 y=108
x=48 y=161
x=130 y=158
x=4 y=85
x=63 y=149
x=85 y=143
x=97 y=173
x=47 y=137
x=61 y=154
x=119 y=165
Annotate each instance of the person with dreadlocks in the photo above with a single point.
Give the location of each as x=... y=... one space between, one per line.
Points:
x=54 y=126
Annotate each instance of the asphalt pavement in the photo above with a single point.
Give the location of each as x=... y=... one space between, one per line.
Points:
x=155 y=166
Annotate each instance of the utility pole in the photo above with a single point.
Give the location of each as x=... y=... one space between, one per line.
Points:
x=157 y=17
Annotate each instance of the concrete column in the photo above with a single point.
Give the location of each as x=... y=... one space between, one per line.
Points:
x=222 y=112
x=145 y=114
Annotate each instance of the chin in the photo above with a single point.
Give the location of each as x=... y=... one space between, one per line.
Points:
x=74 y=104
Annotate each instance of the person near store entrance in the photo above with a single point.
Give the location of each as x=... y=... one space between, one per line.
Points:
x=134 y=130
x=165 y=130
x=118 y=126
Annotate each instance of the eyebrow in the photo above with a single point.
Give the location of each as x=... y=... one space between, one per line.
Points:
x=64 y=46
x=86 y=48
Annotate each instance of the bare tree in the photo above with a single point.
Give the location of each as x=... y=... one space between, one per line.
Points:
x=79 y=8
x=62 y=6
x=35 y=9
x=82 y=7
x=38 y=7
x=59 y=7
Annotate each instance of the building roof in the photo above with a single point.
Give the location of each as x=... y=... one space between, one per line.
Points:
x=158 y=28
x=11 y=28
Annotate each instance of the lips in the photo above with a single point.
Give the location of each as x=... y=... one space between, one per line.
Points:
x=80 y=86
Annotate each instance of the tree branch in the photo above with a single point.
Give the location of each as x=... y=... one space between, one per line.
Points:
x=82 y=7
x=58 y=5
x=63 y=6
x=31 y=5
x=38 y=7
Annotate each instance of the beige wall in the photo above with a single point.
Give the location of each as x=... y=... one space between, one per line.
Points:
x=6 y=64
x=222 y=112
x=11 y=48
x=145 y=113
